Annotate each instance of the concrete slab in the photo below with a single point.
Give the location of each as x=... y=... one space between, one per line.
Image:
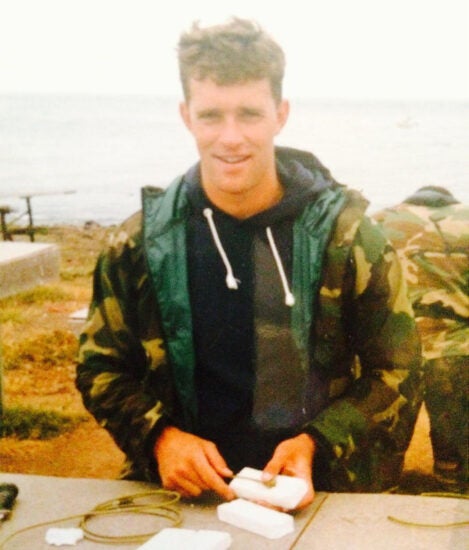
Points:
x=25 y=265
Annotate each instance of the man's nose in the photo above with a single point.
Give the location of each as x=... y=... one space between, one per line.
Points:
x=231 y=132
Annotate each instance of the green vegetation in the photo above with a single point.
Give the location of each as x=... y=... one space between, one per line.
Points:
x=11 y=315
x=38 y=295
x=28 y=423
x=71 y=273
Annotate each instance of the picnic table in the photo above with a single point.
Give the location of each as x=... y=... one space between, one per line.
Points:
x=10 y=228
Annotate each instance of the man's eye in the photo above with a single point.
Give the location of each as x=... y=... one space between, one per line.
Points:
x=250 y=115
x=209 y=116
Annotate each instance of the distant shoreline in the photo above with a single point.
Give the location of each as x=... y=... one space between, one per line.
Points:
x=106 y=147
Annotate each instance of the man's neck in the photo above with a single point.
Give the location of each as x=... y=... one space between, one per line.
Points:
x=247 y=204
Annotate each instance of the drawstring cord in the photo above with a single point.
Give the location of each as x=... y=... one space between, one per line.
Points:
x=289 y=298
x=231 y=282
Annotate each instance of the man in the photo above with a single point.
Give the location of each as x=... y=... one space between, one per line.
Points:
x=228 y=315
x=430 y=231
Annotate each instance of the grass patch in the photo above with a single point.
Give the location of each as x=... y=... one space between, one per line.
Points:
x=41 y=295
x=71 y=273
x=48 y=349
x=11 y=315
x=28 y=423
x=37 y=295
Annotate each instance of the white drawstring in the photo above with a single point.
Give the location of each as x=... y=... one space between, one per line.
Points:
x=289 y=298
x=231 y=282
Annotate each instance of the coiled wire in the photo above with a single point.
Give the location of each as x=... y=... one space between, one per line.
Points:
x=166 y=507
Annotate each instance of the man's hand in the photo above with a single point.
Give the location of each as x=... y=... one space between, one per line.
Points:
x=191 y=465
x=294 y=457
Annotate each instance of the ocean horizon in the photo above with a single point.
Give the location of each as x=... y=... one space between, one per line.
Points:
x=85 y=158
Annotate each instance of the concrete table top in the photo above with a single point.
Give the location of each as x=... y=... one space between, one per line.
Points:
x=335 y=521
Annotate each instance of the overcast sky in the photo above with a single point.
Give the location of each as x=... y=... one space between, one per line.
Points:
x=367 y=49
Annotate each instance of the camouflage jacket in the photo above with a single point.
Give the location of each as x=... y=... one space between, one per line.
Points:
x=135 y=359
x=432 y=240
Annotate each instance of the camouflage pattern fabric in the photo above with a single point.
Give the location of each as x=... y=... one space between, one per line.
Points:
x=447 y=402
x=362 y=310
x=432 y=241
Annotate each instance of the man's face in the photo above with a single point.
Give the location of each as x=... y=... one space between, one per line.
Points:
x=234 y=128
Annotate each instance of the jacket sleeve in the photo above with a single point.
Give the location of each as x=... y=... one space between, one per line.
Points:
x=122 y=373
x=367 y=426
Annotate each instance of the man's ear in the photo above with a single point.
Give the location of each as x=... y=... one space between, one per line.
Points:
x=283 y=111
x=184 y=112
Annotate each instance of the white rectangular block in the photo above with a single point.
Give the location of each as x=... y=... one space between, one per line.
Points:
x=175 y=538
x=256 y=518
x=287 y=492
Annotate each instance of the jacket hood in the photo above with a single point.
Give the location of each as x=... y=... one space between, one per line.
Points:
x=432 y=195
x=301 y=174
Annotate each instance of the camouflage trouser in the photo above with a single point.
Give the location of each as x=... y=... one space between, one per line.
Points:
x=447 y=400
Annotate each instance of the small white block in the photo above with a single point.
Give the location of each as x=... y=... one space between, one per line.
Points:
x=256 y=518
x=175 y=538
x=64 y=536
x=287 y=492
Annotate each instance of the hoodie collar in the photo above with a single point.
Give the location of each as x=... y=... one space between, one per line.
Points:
x=301 y=174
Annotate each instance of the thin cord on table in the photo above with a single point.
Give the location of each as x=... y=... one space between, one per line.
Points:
x=167 y=509
x=393 y=518
x=443 y=525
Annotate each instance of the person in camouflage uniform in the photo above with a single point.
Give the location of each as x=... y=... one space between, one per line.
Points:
x=251 y=314
x=430 y=231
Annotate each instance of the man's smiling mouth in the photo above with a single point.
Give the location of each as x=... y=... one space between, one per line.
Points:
x=232 y=159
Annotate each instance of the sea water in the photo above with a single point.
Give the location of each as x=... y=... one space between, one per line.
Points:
x=86 y=158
